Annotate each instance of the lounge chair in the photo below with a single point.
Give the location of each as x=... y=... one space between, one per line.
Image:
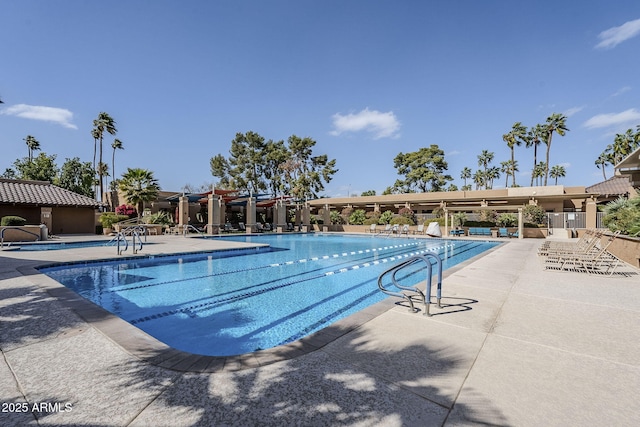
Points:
x=290 y=227
x=405 y=230
x=503 y=232
x=419 y=230
x=387 y=229
x=372 y=229
x=593 y=259
x=228 y=228
x=241 y=226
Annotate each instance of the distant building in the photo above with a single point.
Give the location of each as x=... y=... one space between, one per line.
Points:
x=40 y=202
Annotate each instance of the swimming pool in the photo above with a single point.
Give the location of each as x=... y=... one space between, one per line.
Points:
x=233 y=302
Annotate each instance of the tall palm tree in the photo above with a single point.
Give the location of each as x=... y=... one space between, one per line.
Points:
x=515 y=137
x=556 y=172
x=509 y=168
x=555 y=123
x=601 y=162
x=96 y=136
x=139 y=186
x=104 y=123
x=32 y=145
x=535 y=136
x=116 y=145
x=465 y=174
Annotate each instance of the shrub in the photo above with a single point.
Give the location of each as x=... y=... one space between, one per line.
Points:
x=12 y=220
x=336 y=218
x=158 y=218
x=357 y=217
x=507 y=220
x=480 y=224
x=623 y=215
x=534 y=214
x=108 y=219
x=408 y=213
x=459 y=219
x=401 y=220
x=385 y=218
x=127 y=210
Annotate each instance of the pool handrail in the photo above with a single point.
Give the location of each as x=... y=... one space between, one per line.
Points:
x=5 y=228
x=425 y=296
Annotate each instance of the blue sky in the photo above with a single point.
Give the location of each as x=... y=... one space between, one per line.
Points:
x=365 y=79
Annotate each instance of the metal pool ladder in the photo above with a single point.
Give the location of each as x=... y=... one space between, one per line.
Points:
x=136 y=240
x=424 y=296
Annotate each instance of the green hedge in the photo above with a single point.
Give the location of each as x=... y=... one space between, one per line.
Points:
x=12 y=220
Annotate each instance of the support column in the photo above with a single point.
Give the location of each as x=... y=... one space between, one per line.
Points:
x=251 y=214
x=306 y=217
x=326 y=218
x=281 y=216
x=183 y=212
x=446 y=221
x=592 y=213
x=213 y=221
x=520 y=224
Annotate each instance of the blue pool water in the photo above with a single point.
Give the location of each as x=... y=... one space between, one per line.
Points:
x=234 y=302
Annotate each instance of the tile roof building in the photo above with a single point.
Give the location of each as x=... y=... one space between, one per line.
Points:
x=40 y=202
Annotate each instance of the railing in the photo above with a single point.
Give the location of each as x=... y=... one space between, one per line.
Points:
x=15 y=228
x=135 y=232
x=424 y=296
x=186 y=228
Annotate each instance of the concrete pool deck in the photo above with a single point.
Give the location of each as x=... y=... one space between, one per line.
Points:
x=514 y=345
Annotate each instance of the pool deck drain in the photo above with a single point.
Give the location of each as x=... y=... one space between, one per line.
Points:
x=514 y=345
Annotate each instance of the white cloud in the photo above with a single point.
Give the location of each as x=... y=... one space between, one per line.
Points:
x=621 y=91
x=381 y=125
x=614 y=36
x=571 y=111
x=629 y=116
x=60 y=116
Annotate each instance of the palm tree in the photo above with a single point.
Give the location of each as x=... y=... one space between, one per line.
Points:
x=535 y=136
x=116 y=145
x=139 y=186
x=539 y=171
x=484 y=159
x=509 y=168
x=32 y=145
x=479 y=179
x=555 y=123
x=556 y=172
x=601 y=162
x=96 y=136
x=104 y=123
x=516 y=136
x=465 y=174
x=491 y=174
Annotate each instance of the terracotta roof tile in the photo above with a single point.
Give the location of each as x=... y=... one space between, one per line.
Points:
x=612 y=186
x=41 y=193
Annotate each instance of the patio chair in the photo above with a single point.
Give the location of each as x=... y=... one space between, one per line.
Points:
x=228 y=228
x=405 y=230
x=503 y=232
x=372 y=229
x=419 y=230
x=241 y=226
x=387 y=230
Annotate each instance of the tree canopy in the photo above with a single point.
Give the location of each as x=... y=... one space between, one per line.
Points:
x=257 y=165
x=423 y=170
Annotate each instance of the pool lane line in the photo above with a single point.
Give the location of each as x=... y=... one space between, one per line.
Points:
x=279 y=264
x=223 y=301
